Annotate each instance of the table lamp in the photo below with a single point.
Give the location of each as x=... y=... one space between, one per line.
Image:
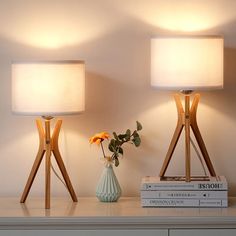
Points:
x=48 y=89
x=187 y=64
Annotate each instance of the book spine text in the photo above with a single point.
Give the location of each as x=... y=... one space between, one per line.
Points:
x=184 y=202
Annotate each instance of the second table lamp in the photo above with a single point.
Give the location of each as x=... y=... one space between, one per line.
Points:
x=187 y=64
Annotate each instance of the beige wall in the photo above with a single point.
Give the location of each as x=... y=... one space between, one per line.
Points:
x=113 y=37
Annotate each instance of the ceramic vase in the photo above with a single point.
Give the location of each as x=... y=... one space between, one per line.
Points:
x=108 y=188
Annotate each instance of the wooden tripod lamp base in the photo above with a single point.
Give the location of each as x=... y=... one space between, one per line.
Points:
x=48 y=145
x=187 y=120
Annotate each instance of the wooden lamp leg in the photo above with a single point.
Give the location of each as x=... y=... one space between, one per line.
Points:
x=37 y=162
x=47 y=164
x=175 y=138
x=187 y=119
x=198 y=135
x=48 y=144
x=187 y=139
x=59 y=160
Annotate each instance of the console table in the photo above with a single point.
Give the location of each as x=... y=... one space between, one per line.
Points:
x=89 y=217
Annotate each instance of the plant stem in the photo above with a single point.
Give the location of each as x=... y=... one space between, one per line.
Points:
x=103 y=150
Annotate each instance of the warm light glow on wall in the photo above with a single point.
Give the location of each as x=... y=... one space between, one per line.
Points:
x=181 y=15
x=181 y=21
x=53 y=24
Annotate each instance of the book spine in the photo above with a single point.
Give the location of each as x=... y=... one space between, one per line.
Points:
x=184 y=202
x=185 y=186
x=185 y=194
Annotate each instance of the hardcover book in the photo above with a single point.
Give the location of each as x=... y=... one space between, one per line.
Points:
x=184 y=203
x=154 y=183
x=191 y=194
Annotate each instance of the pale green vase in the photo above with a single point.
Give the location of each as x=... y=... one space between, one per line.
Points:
x=108 y=188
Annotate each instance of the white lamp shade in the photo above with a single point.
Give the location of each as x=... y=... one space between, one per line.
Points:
x=187 y=63
x=48 y=88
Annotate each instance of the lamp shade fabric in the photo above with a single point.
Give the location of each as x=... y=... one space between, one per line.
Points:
x=187 y=63
x=48 y=88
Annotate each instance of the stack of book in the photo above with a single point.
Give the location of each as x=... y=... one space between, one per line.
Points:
x=157 y=193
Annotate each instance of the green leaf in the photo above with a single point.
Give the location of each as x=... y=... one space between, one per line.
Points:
x=115 y=155
x=115 y=135
x=122 y=136
x=127 y=135
x=120 y=150
x=137 y=141
x=116 y=162
x=139 y=126
x=135 y=134
x=127 y=138
x=112 y=145
x=118 y=143
x=128 y=132
x=113 y=142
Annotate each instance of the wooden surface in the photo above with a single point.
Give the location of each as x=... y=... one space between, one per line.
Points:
x=89 y=213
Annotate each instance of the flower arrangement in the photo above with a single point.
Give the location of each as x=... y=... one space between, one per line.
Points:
x=116 y=142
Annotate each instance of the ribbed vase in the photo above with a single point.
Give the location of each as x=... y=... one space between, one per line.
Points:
x=108 y=188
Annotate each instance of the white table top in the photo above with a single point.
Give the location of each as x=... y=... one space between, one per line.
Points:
x=126 y=213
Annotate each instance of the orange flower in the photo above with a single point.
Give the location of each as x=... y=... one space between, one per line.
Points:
x=98 y=138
